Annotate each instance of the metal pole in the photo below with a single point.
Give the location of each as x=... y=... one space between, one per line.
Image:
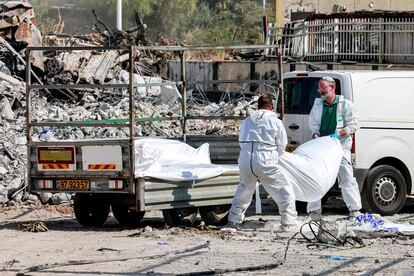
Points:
x=28 y=97
x=183 y=96
x=279 y=17
x=119 y=14
x=280 y=77
x=132 y=124
x=28 y=115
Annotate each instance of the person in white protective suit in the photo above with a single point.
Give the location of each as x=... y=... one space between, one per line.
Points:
x=334 y=116
x=262 y=141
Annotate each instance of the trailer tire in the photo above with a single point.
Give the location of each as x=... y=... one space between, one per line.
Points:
x=180 y=216
x=215 y=215
x=90 y=210
x=384 y=191
x=125 y=216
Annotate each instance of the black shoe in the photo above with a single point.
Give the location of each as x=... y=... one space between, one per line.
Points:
x=231 y=227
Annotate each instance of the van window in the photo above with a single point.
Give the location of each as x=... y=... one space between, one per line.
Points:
x=300 y=94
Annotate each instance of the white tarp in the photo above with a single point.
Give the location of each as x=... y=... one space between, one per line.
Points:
x=311 y=169
x=174 y=160
x=370 y=223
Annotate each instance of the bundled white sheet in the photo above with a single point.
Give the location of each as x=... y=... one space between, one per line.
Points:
x=175 y=161
x=311 y=169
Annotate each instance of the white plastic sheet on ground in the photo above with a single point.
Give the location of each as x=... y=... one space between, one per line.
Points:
x=311 y=169
x=370 y=223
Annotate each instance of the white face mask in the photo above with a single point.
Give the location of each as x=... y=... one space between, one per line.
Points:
x=326 y=97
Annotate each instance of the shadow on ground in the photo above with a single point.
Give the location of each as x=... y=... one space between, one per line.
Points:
x=71 y=224
x=333 y=206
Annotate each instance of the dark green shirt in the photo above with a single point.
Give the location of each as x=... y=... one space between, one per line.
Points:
x=328 y=121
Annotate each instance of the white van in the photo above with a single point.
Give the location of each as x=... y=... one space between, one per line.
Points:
x=383 y=149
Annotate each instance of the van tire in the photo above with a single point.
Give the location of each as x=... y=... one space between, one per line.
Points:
x=215 y=215
x=384 y=191
x=180 y=216
x=91 y=210
x=125 y=216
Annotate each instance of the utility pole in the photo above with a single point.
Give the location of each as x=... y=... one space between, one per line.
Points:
x=265 y=22
x=119 y=14
x=279 y=16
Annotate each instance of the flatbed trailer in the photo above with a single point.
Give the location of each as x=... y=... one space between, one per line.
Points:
x=101 y=171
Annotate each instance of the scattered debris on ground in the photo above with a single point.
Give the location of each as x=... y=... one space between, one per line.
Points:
x=37 y=226
x=155 y=248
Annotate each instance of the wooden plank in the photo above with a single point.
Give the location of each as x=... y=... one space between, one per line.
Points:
x=72 y=60
x=88 y=72
x=11 y=80
x=106 y=64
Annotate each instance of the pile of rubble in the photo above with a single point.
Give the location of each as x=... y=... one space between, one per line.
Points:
x=104 y=104
x=87 y=105
x=13 y=141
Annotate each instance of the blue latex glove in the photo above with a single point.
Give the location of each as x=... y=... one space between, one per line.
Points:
x=335 y=135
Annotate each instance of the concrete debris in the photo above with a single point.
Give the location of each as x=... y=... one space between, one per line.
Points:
x=31 y=199
x=9 y=79
x=14 y=184
x=17 y=28
x=97 y=67
x=3 y=170
x=45 y=197
x=60 y=198
x=3 y=194
x=5 y=109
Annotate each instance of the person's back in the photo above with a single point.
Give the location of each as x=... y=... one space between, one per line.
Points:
x=262 y=140
x=261 y=126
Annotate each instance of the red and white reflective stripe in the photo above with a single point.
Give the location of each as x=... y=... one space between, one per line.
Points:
x=55 y=166
x=45 y=184
x=102 y=166
x=116 y=184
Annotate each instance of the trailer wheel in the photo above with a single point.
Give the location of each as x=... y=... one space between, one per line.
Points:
x=180 y=216
x=384 y=191
x=125 y=216
x=215 y=215
x=90 y=210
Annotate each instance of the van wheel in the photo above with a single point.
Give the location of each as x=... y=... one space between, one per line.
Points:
x=384 y=191
x=180 y=216
x=125 y=216
x=215 y=215
x=90 y=210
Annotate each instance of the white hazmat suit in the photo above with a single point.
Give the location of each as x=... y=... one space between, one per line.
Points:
x=262 y=140
x=347 y=120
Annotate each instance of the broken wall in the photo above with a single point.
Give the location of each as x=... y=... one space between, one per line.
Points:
x=199 y=71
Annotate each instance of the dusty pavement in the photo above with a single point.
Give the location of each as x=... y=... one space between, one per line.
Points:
x=155 y=249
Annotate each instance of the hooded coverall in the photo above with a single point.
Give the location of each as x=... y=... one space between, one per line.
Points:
x=347 y=120
x=262 y=140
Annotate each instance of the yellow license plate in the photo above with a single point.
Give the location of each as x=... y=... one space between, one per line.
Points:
x=74 y=184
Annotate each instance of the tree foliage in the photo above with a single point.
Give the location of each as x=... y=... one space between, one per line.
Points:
x=42 y=19
x=198 y=22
